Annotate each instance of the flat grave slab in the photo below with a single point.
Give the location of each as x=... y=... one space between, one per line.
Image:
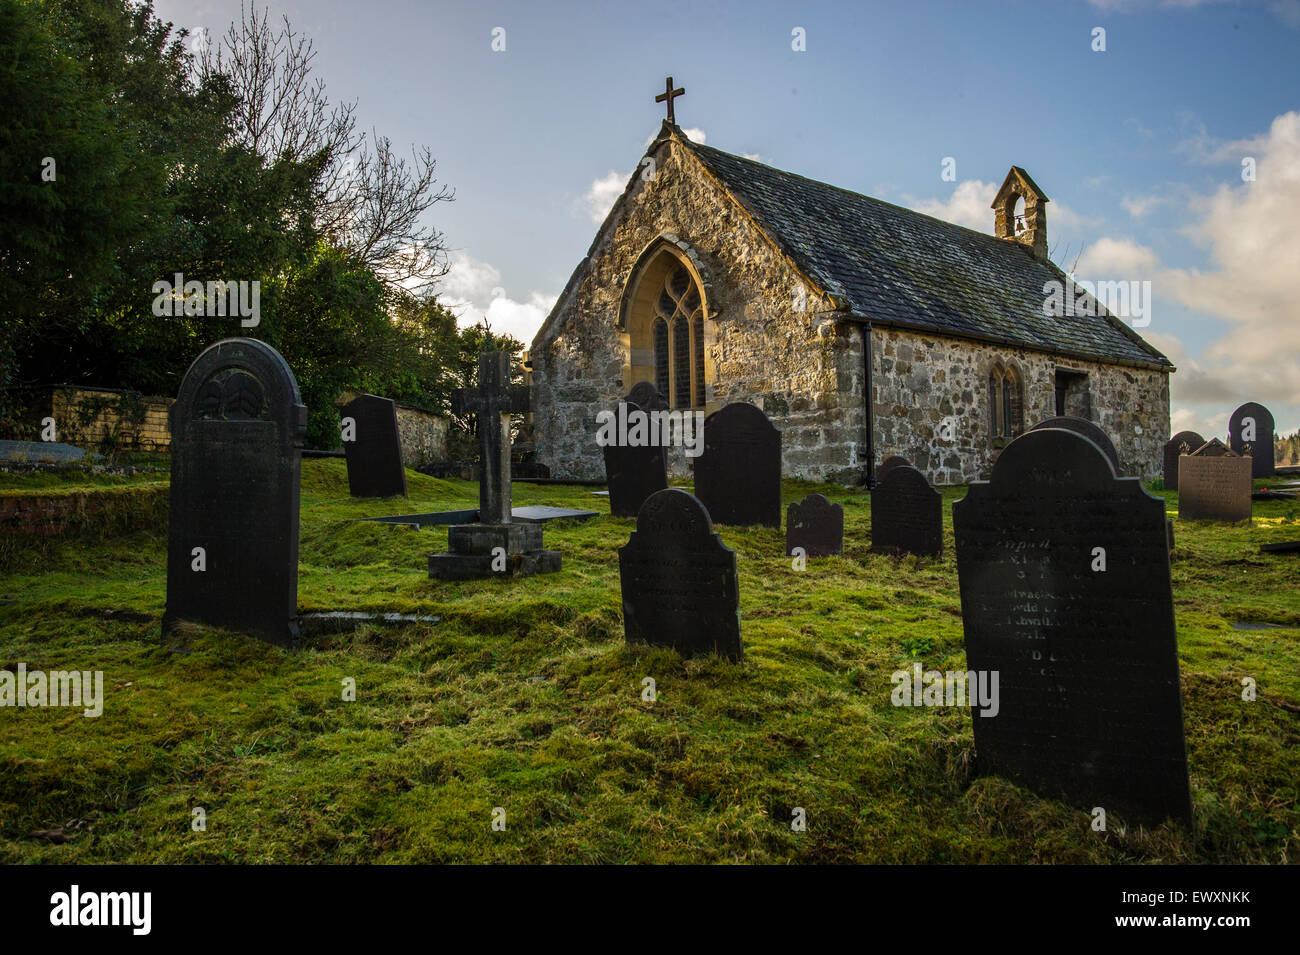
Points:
x=533 y=514
x=541 y=513
x=44 y=452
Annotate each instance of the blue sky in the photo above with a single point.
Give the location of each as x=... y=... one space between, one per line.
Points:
x=1139 y=146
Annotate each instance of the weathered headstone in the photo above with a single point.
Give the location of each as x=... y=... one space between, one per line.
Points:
x=1214 y=484
x=679 y=580
x=816 y=525
x=236 y=442
x=1184 y=442
x=373 y=447
x=498 y=546
x=1066 y=596
x=738 y=475
x=889 y=464
x=645 y=395
x=1250 y=434
x=1089 y=429
x=633 y=472
x=906 y=514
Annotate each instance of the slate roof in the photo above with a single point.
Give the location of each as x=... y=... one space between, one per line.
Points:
x=894 y=266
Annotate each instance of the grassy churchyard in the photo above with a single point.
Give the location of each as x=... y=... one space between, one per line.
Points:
x=524 y=696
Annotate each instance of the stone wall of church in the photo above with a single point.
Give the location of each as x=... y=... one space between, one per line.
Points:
x=790 y=356
x=765 y=342
x=932 y=404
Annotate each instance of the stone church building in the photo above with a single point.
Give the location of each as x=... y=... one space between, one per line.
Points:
x=861 y=328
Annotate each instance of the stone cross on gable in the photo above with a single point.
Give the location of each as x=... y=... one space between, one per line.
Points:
x=494 y=400
x=667 y=96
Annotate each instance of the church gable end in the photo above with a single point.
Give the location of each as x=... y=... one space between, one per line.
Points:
x=683 y=288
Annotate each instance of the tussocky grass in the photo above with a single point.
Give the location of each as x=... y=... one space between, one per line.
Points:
x=524 y=696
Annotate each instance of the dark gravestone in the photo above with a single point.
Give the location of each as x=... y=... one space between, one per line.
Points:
x=1089 y=429
x=236 y=429
x=906 y=514
x=645 y=395
x=633 y=472
x=1089 y=705
x=1184 y=442
x=498 y=546
x=1214 y=484
x=816 y=525
x=891 y=462
x=679 y=580
x=1250 y=434
x=374 y=452
x=738 y=475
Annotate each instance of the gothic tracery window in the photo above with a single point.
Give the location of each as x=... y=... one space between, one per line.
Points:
x=679 y=340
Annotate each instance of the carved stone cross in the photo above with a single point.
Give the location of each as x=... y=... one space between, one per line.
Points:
x=493 y=401
x=667 y=96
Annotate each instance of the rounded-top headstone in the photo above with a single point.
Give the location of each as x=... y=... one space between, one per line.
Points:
x=1184 y=442
x=679 y=581
x=891 y=462
x=237 y=428
x=738 y=475
x=906 y=514
x=633 y=472
x=1063 y=570
x=647 y=396
x=815 y=525
x=1088 y=429
x=1250 y=434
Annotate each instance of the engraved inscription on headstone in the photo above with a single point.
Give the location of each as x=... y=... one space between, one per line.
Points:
x=738 y=475
x=816 y=525
x=1066 y=595
x=906 y=514
x=1250 y=434
x=1214 y=486
x=1184 y=442
x=679 y=580
x=633 y=472
x=373 y=447
x=1089 y=429
x=232 y=553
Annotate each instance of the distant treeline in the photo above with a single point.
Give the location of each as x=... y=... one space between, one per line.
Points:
x=131 y=151
x=1286 y=448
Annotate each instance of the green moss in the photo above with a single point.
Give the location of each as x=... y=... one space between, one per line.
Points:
x=524 y=696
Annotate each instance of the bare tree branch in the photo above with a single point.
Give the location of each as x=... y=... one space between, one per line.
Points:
x=368 y=201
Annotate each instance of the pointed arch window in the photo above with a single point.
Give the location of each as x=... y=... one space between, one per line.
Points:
x=1006 y=405
x=678 y=336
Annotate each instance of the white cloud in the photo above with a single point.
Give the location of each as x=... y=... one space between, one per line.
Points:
x=1140 y=206
x=472 y=289
x=1249 y=230
x=1288 y=11
x=968 y=204
x=603 y=193
x=605 y=190
x=1115 y=259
